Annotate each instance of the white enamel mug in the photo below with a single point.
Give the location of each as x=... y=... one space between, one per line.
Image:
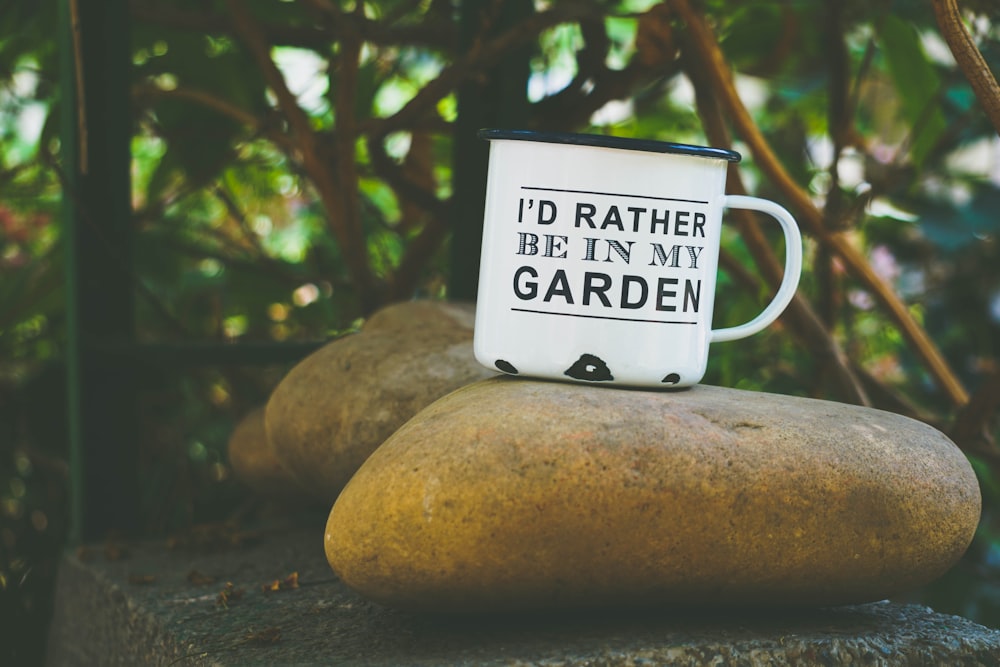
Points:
x=599 y=258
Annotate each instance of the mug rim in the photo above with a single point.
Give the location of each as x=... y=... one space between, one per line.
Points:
x=605 y=141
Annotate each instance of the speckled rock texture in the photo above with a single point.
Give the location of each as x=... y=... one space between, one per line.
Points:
x=341 y=402
x=517 y=494
x=101 y=618
x=255 y=463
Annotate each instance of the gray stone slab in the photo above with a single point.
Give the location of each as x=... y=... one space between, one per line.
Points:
x=143 y=609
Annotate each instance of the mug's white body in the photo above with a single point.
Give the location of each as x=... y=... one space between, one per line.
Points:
x=599 y=263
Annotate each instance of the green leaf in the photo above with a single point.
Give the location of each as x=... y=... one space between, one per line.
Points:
x=916 y=81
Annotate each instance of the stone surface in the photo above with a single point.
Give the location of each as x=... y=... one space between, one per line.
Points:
x=103 y=619
x=341 y=402
x=513 y=494
x=254 y=462
x=438 y=315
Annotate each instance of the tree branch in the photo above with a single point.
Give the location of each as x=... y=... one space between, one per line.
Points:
x=596 y=84
x=352 y=243
x=395 y=177
x=435 y=34
x=838 y=127
x=481 y=56
x=968 y=57
x=971 y=427
x=711 y=59
x=147 y=92
x=414 y=259
x=345 y=137
x=739 y=273
x=418 y=205
x=800 y=317
x=222 y=194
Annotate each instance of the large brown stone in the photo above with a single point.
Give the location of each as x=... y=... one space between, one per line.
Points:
x=515 y=494
x=341 y=402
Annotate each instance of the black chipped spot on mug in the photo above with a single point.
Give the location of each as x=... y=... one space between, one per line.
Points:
x=673 y=378
x=505 y=366
x=591 y=368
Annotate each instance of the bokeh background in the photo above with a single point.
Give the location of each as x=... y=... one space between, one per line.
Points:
x=298 y=163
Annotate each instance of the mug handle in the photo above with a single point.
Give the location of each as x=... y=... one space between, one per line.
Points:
x=793 y=267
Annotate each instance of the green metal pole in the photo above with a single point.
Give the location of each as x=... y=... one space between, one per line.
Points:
x=95 y=57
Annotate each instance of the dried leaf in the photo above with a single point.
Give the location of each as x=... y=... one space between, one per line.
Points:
x=84 y=554
x=199 y=579
x=141 y=579
x=289 y=582
x=114 y=551
x=210 y=537
x=265 y=636
x=228 y=594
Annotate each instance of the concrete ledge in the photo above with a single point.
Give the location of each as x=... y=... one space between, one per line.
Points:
x=157 y=606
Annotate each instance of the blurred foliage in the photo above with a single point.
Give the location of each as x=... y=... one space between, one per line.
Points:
x=270 y=214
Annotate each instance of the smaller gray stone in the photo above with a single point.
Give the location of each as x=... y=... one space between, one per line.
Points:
x=341 y=402
x=254 y=462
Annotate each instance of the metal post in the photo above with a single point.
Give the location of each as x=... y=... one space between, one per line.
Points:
x=96 y=132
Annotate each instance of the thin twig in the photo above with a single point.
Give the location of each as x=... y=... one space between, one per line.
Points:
x=414 y=259
x=345 y=135
x=419 y=250
x=739 y=273
x=81 y=86
x=971 y=429
x=150 y=92
x=803 y=322
x=276 y=269
x=596 y=84
x=223 y=195
x=435 y=34
x=394 y=176
x=352 y=244
x=922 y=121
x=714 y=64
x=838 y=127
x=482 y=55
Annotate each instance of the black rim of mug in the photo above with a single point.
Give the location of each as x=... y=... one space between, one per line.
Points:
x=603 y=141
